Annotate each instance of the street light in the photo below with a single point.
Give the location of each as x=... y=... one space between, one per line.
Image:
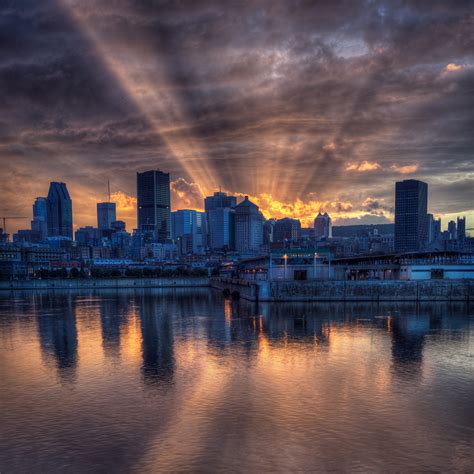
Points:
x=285 y=258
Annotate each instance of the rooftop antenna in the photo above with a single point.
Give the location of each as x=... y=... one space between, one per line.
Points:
x=108 y=188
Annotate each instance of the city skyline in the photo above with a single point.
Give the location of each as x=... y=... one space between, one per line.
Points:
x=308 y=108
x=154 y=186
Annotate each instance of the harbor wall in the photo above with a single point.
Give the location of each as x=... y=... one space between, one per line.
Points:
x=95 y=283
x=427 y=290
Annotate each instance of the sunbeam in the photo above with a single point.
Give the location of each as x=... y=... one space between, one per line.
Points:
x=147 y=85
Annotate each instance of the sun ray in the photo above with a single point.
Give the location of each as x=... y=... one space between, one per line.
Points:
x=151 y=91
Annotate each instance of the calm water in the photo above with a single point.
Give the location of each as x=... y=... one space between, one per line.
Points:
x=146 y=381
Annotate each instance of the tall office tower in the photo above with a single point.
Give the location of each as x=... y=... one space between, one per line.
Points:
x=106 y=214
x=248 y=227
x=287 y=230
x=153 y=206
x=430 y=227
x=323 y=226
x=461 y=234
x=59 y=211
x=437 y=229
x=452 y=230
x=411 y=203
x=40 y=217
x=433 y=230
x=191 y=225
x=220 y=224
x=219 y=200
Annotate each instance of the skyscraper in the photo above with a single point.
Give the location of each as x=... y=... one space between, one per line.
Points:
x=153 y=206
x=189 y=224
x=411 y=218
x=220 y=220
x=453 y=233
x=59 y=211
x=323 y=226
x=221 y=225
x=40 y=217
x=248 y=227
x=287 y=229
x=219 y=200
x=461 y=231
x=106 y=214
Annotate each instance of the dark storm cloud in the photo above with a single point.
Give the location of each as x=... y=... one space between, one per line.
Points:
x=279 y=97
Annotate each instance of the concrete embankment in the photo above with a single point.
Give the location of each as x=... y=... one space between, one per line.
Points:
x=425 y=290
x=110 y=283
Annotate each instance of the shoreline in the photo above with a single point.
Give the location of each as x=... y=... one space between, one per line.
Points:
x=106 y=283
x=274 y=291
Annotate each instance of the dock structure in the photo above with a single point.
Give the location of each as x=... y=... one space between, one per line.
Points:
x=339 y=290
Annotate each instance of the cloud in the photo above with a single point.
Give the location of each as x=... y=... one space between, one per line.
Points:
x=363 y=166
x=186 y=195
x=301 y=107
x=453 y=67
x=331 y=146
x=124 y=202
x=406 y=169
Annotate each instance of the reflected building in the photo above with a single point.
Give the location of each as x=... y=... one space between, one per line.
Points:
x=57 y=332
x=113 y=319
x=408 y=337
x=157 y=341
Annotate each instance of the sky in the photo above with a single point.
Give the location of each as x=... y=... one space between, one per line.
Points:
x=304 y=106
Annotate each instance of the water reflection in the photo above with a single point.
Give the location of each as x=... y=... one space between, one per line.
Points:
x=180 y=380
x=57 y=332
x=114 y=313
x=157 y=341
x=225 y=323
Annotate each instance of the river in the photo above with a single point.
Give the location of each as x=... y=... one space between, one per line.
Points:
x=186 y=380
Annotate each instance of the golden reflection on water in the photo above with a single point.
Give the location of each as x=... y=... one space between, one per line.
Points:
x=200 y=379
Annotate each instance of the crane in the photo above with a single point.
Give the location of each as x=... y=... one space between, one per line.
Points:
x=4 y=218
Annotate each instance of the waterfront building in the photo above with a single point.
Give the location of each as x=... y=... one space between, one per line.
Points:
x=87 y=235
x=430 y=228
x=106 y=215
x=461 y=228
x=248 y=227
x=27 y=235
x=287 y=230
x=221 y=224
x=153 y=204
x=433 y=229
x=452 y=230
x=323 y=226
x=411 y=202
x=59 y=211
x=269 y=231
x=3 y=236
x=219 y=210
x=190 y=226
x=118 y=226
x=219 y=200
x=164 y=252
x=40 y=217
